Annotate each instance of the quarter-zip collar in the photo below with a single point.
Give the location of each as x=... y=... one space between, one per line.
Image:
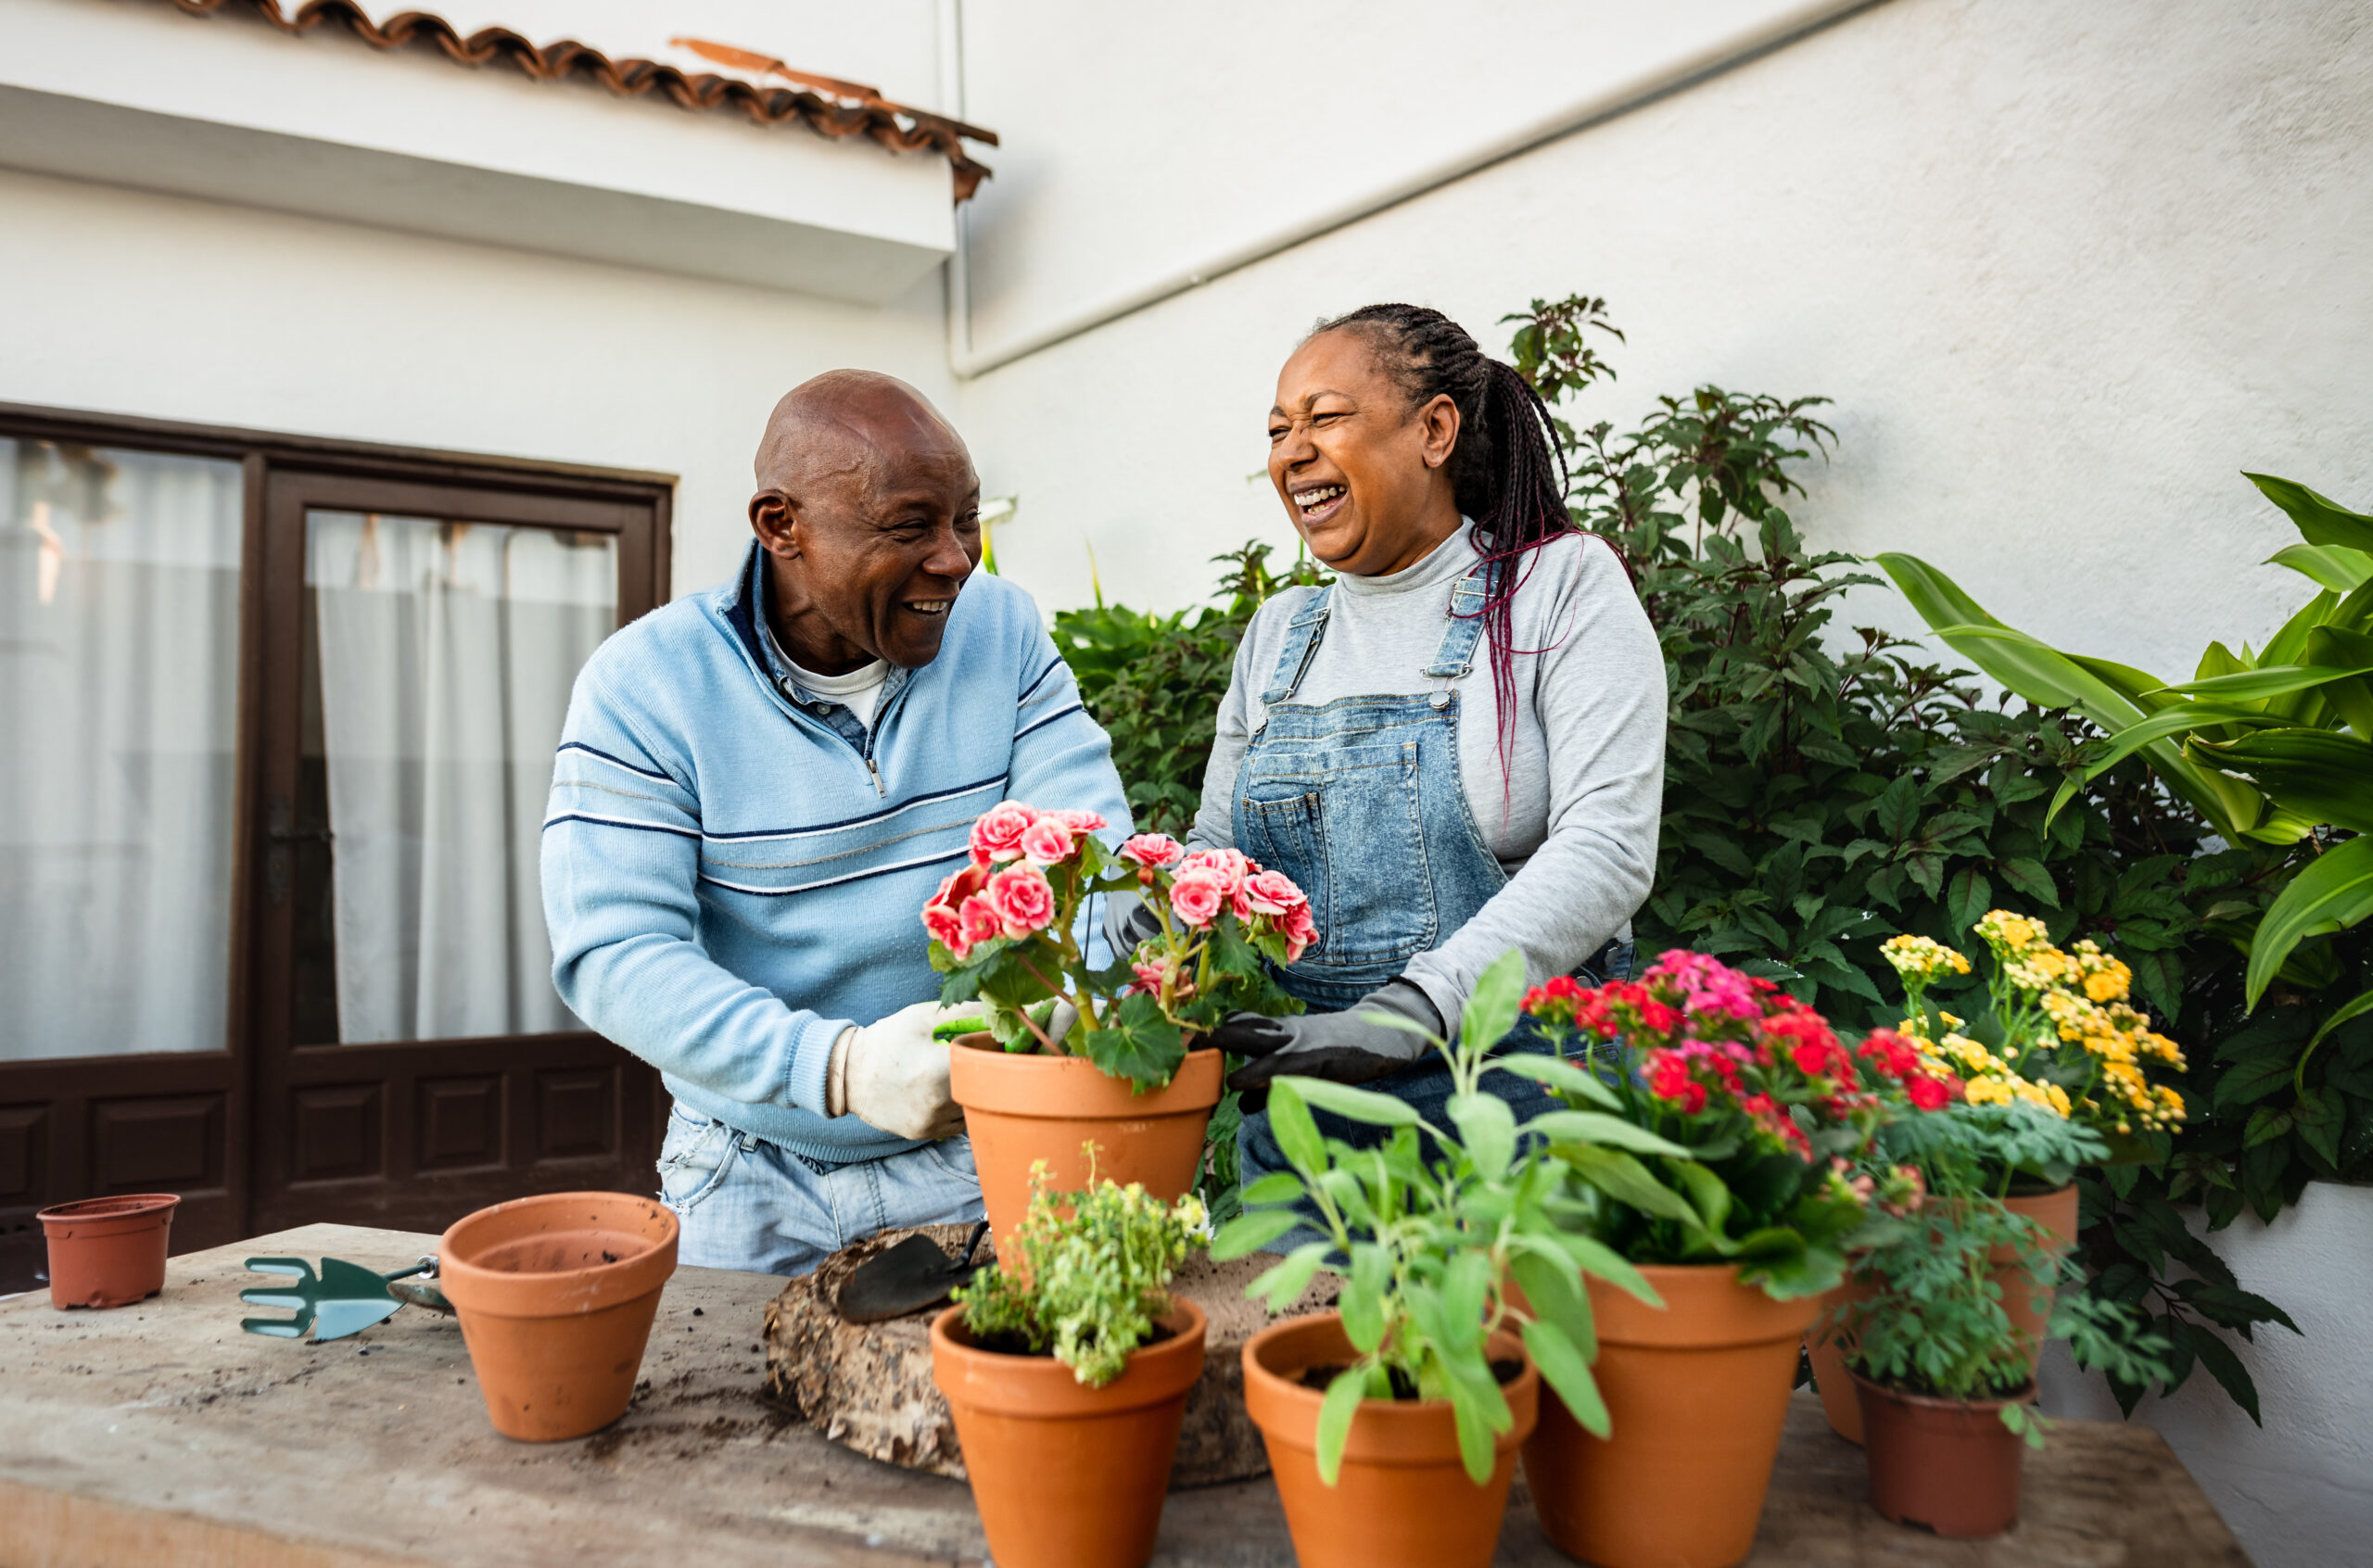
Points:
x=744 y=608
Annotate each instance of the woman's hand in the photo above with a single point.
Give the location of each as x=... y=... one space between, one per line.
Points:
x=1358 y=1045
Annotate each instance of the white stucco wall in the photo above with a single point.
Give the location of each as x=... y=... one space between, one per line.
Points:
x=138 y=304
x=2064 y=270
x=2299 y=1492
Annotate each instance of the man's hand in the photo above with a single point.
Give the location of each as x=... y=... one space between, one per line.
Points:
x=893 y=1075
x=1356 y=1045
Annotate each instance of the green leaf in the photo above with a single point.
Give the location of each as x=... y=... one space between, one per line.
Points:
x=1558 y=1074
x=2252 y=1079
x=1140 y=1045
x=2267 y=680
x=2223 y=1365
x=1335 y=1413
x=1492 y=1005
x=1363 y=1300
x=1249 y=1234
x=1290 y=1124
x=1554 y=1297
x=1359 y=1105
x=2030 y=878
x=1290 y=1276
x=2334 y=892
x=2317 y=773
x=1971 y=896
x=2320 y=519
x=1626 y=1181
x=1565 y=1369
x=1488 y=1128
x=2336 y=567
x=1596 y=1127
x=2356 y=1008
x=1278 y=1186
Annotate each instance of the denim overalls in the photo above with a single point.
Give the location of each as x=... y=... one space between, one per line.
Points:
x=1359 y=801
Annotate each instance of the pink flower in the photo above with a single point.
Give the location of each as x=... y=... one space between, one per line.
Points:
x=1047 y=841
x=978 y=921
x=1153 y=850
x=1079 y=821
x=1023 y=901
x=961 y=886
x=1149 y=978
x=1195 y=896
x=1300 y=932
x=997 y=835
x=1230 y=866
x=1273 y=892
x=946 y=928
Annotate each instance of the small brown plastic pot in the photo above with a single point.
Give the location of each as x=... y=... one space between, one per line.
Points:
x=2028 y=1293
x=108 y=1251
x=556 y=1294
x=1947 y=1465
x=1696 y=1396
x=1020 y=1107
x=1826 y=1344
x=1065 y=1475
x=1402 y=1497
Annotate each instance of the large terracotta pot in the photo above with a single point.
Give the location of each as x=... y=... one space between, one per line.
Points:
x=2027 y=1298
x=1401 y=1497
x=108 y=1251
x=1826 y=1344
x=1065 y=1475
x=1949 y=1465
x=1696 y=1395
x=1024 y=1108
x=555 y=1294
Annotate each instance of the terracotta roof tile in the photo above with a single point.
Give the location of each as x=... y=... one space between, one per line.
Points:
x=893 y=125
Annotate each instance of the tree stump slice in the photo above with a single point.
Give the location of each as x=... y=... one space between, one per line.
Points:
x=868 y=1387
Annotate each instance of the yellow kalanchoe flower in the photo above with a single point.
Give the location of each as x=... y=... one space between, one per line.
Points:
x=1922 y=959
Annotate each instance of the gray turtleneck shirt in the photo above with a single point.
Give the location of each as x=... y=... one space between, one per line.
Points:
x=1572 y=818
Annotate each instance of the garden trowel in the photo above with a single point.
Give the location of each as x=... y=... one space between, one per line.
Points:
x=343 y=1298
x=908 y=1277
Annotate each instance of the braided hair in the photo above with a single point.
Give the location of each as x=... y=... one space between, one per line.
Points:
x=1505 y=473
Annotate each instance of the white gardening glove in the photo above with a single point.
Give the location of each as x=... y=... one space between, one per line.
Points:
x=893 y=1075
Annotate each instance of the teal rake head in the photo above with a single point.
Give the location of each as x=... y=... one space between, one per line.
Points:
x=344 y=1298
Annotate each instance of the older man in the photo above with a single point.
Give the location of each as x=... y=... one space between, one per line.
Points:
x=758 y=789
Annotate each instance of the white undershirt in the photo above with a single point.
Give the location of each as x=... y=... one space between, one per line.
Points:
x=859 y=691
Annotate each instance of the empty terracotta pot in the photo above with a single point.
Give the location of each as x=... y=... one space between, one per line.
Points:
x=555 y=1294
x=1826 y=1347
x=1949 y=1465
x=2028 y=1294
x=1696 y=1395
x=1401 y=1497
x=1019 y=1109
x=1065 y=1475
x=108 y=1251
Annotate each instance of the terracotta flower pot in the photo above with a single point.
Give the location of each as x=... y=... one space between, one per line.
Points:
x=108 y=1251
x=1696 y=1395
x=556 y=1294
x=1949 y=1465
x=1826 y=1344
x=2056 y=1211
x=1065 y=1475
x=1021 y=1108
x=1402 y=1495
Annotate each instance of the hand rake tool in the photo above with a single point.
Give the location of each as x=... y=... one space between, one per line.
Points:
x=343 y=1298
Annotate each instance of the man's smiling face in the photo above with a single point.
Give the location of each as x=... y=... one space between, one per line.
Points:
x=868 y=511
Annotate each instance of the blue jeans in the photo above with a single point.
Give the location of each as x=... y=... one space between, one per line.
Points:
x=747 y=1203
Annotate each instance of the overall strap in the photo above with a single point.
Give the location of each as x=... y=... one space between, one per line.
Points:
x=1456 y=657
x=1303 y=634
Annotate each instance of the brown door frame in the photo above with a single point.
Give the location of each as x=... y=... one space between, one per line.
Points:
x=60 y=1115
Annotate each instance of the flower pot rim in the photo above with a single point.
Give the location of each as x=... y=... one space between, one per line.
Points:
x=556 y=1293
x=1392 y=1426
x=2024 y=1393
x=122 y=1207
x=1019 y=1082
x=1749 y=1314
x=1043 y=1389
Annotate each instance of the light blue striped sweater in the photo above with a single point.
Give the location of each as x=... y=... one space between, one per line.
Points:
x=730 y=882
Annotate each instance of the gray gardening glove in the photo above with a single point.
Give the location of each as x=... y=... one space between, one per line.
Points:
x=1352 y=1047
x=1128 y=921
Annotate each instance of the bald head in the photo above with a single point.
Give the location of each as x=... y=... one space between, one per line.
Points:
x=868 y=511
x=843 y=421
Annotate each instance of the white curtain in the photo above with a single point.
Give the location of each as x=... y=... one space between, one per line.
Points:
x=119 y=658
x=446 y=655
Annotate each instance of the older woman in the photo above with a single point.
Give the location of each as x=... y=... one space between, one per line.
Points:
x=1457 y=747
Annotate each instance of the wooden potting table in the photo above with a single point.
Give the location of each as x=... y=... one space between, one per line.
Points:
x=159 y=1434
